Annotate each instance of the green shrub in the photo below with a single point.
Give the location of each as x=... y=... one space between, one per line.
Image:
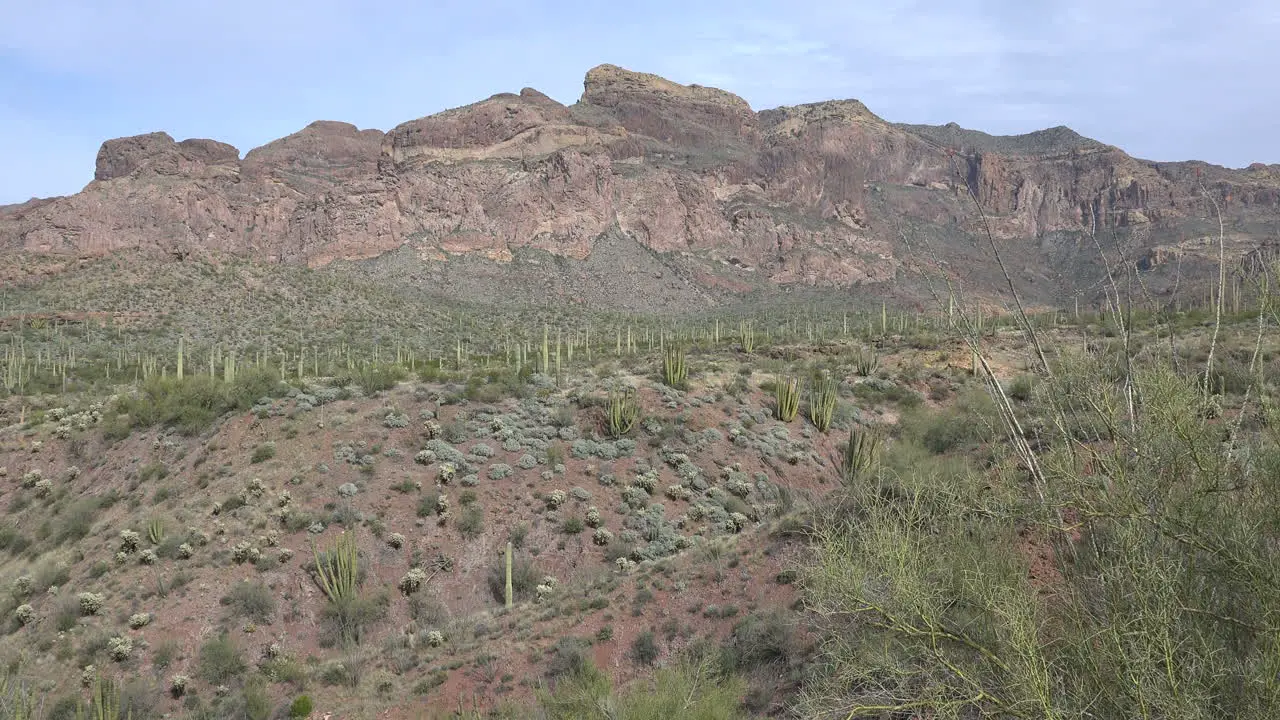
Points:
x=220 y=660
x=251 y=601
x=263 y=453
x=471 y=521
x=644 y=649
x=300 y=707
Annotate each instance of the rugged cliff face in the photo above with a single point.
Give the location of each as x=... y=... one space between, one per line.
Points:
x=819 y=194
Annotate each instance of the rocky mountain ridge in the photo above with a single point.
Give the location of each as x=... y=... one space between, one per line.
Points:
x=822 y=194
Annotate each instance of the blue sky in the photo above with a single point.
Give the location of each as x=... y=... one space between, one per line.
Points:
x=1168 y=80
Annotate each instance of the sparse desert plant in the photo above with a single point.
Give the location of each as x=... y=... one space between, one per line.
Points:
x=252 y=601
x=22 y=586
x=244 y=551
x=338 y=571
x=139 y=620
x=623 y=410
x=786 y=398
x=446 y=473
x=220 y=660
x=300 y=708
x=675 y=371
x=120 y=648
x=25 y=614
x=90 y=603
x=823 y=394
x=865 y=361
x=263 y=453
x=178 y=685
x=860 y=455
x=155 y=530
x=412 y=581
x=556 y=498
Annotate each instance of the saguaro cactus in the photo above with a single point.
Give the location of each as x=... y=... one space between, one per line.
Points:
x=510 y=593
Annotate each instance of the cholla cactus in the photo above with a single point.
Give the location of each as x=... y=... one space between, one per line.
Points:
x=738 y=486
x=25 y=614
x=442 y=505
x=90 y=603
x=147 y=557
x=395 y=419
x=425 y=457
x=88 y=674
x=284 y=499
x=185 y=551
x=22 y=586
x=647 y=481
x=593 y=517
x=556 y=499
x=285 y=555
x=129 y=541
x=254 y=489
x=44 y=488
x=395 y=540
x=272 y=651
x=601 y=537
x=736 y=522
x=178 y=685
x=412 y=581
x=431 y=429
x=139 y=620
x=272 y=538
x=120 y=648
x=625 y=565
x=435 y=638
x=31 y=477
x=447 y=471
x=678 y=492
x=245 y=551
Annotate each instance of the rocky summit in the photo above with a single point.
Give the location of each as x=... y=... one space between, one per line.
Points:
x=825 y=194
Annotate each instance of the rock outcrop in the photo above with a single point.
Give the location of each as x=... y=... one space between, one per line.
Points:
x=814 y=194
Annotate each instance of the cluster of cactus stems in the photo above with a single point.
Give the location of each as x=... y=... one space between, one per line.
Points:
x=674 y=370
x=865 y=361
x=104 y=702
x=339 y=569
x=787 y=398
x=155 y=530
x=860 y=456
x=623 y=411
x=823 y=393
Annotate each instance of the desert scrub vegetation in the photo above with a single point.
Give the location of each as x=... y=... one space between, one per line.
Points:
x=190 y=404
x=1135 y=577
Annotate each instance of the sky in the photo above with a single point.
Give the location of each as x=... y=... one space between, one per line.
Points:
x=1166 y=80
